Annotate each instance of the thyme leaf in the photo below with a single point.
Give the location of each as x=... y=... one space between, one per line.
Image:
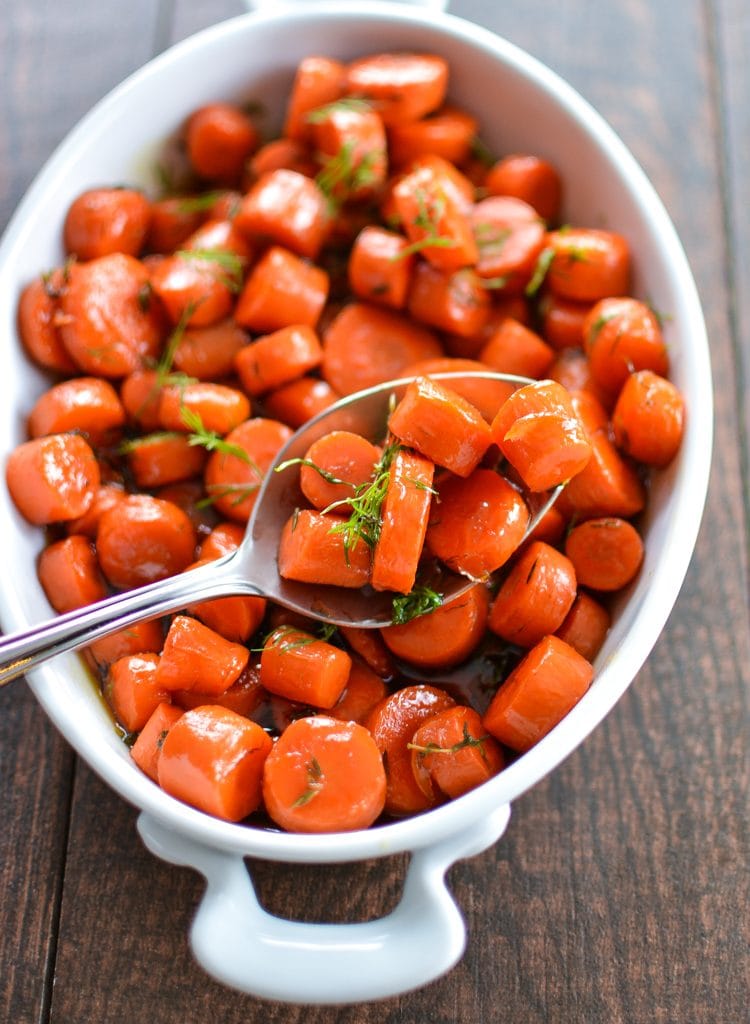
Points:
x=543 y=264
x=314 y=783
x=328 y=477
x=467 y=741
x=366 y=504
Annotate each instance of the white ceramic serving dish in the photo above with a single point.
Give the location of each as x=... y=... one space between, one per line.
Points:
x=523 y=106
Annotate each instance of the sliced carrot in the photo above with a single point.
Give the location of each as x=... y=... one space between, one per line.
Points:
x=344 y=456
x=147 y=747
x=133 y=690
x=234 y=618
x=278 y=358
x=515 y=348
x=453 y=181
x=38 y=310
x=433 y=220
x=444 y=637
x=140 y=393
x=402 y=86
x=195 y=657
x=101 y=221
x=476 y=524
x=219 y=139
x=163 y=458
x=455 y=301
x=212 y=758
x=392 y=724
x=538 y=432
x=222 y=540
x=538 y=694
x=281 y=290
x=607 y=553
x=317 y=82
x=441 y=425
x=287 y=208
x=572 y=370
x=364 y=346
x=280 y=154
x=530 y=178
x=142 y=539
x=107 y=323
x=88 y=405
x=620 y=337
x=69 y=573
x=324 y=775
x=87 y=524
x=454 y=752
x=297 y=402
x=140 y=638
x=364 y=689
x=296 y=665
x=233 y=478
x=368 y=644
x=208 y=353
x=194 y=287
x=379 y=267
x=535 y=596
x=313 y=549
x=350 y=142
x=510 y=237
x=219 y=408
x=588 y=264
x=486 y=395
x=563 y=320
x=52 y=479
x=606 y=486
x=586 y=625
x=190 y=496
x=221 y=235
x=172 y=221
x=245 y=695
x=403 y=523
x=648 y=418
x=448 y=133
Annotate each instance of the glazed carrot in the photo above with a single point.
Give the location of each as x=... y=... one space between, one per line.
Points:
x=164 y=458
x=222 y=540
x=514 y=348
x=444 y=637
x=244 y=696
x=364 y=346
x=190 y=496
x=620 y=337
x=551 y=527
x=195 y=657
x=563 y=320
x=347 y=457
x=234 y=618
x=212 y=758
x=222 y=235
x=588 y=264
x=453 y=181
x=287 y=208
x=278 y=358
x=208 y=353
x=538 y=694
x=195 y=288
x=607 y=552
x=281 y=290
x=235 y=470
x=380 y=268
x=404 y=515
x=456 y=301
x=147 y=747
x=300 y=400
x=435 y=223
x=52 y=479
x=69 y=573
x=452 y=752
x=401 y=86
x=101 y=221
x=219 y=408
x=530 y=178
x=539 y=433
x=648 y=418
x=535 y=596
x=476 y=524
x=510 y=237
x=311 y=552
x=140 y=392
x=571 y=369
x=219 y=138
x=585 y=626
x=317 y=82
x=606 y=486
x=350 y=142
x=364 y=689
x=87 y=524
x=392 y=724
x=448 y=133
x=107 y=323
x=133 y=690
x=87 y=405
x=142 y=539
x=368 y=644
x=441 y=425
x=296 y=665
x=486 y=395
x=140 y=638
x=324 y=775
x=38 y=311
x=281 y=154
x=172 y=221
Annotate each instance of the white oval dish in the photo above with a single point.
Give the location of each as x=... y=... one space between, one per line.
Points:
x=529 y=109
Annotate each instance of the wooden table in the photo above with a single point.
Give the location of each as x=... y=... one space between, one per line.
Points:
x=620 y=892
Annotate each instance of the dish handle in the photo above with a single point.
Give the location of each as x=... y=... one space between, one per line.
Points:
x=265 y=5
x=243 y=946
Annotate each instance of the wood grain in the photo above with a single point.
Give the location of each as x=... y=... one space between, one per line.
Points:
x=618 y=895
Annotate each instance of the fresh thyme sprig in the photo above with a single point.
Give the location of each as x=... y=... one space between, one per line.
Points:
x=366 y=504
x=341 y=176
x=314 y=783
x=430 y=209
x=467 y=741
x=419 y=601
x=213 y=442
x=226 y=260
x=328 y=477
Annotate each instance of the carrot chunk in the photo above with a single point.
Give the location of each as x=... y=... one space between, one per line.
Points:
x=289 y=209
x=452 y=301
x=509 y=237
x=585 y=627
x=364 y=689
x=402 y=86
x=69 y=572
x=197 y=658
x=133 y=690
x=234 y=618
x=622 y=335
x=527 y=177
x=448 y=133
x=52 y=478
x=281 y=290
x=219 y=138
x=163 y=458
x=38 y=309
x=588 y=264
x=234 y=473
x=87 y=405
x=453 y=753
x=313 y=549
x=219 y=408
x=101 y=221
x=648 y=419
x=514 y=348
x=607 y=553
x=334 y=467
x=147 y=747
x=404 y=515
x=142 y=539
x=278 y=358
x=318 y=81
x=380 y=268
x=299 y=401
x=296 y=665
x=444 y=637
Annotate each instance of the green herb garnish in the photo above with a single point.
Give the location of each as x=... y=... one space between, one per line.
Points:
x=314 y=783
x=348 y=104
x=226 y=260
x=467 y=741
x=328 y=477
x=420 y=601
x=540 y=271
x=365 y=519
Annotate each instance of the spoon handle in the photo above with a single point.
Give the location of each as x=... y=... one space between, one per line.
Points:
x=22 y=651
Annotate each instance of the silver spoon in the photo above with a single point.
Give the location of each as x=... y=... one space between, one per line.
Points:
x=252 y=568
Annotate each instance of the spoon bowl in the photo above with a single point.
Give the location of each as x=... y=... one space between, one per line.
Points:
x=252 y=569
